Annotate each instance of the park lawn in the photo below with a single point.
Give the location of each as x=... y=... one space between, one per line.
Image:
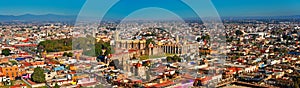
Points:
x=156 y=56
x=170 y=54
x=146 y=57
x=13 y=82
x=8 y=86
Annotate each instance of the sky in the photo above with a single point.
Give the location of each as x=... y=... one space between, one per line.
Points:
x=125 y=7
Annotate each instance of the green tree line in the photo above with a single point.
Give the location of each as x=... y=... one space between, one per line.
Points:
x=88 y=44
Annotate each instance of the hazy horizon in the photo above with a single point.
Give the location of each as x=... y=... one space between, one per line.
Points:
x=225 y=8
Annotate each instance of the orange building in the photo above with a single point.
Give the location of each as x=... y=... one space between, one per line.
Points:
x=4 y=60
x=205 y=50
x=37 y=63
x=12 y=71
x=73 y=67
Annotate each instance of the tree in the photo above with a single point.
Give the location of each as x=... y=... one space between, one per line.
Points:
x=296 y=80
x=169 y=59
x=198 y=39
x=229 y=39
x=239 y=32
x=205 y=37
x=38 y=75
x=55 y=45
x=97 y=50
x=6 y=52
x=56 y=86
x=148 y=41
x=146 y=63
x=88 y=44
x=176 y=58
x=112 y=63
x=13 y=62
x=108 y=48
x=65 y=54
x=70 y=54
x=285 y=37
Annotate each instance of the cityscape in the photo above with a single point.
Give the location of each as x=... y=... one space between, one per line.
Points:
x=63 y=51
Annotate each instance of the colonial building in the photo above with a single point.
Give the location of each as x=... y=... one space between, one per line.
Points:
x=139 y=45
x=177 y=48
x=121 y=59
x=160 y=48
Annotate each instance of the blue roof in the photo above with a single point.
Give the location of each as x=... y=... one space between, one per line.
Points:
x=59 y=68
x=20 y=58
x=101 y=57
x=262 y=65
x=294 y=53
x=192 y=62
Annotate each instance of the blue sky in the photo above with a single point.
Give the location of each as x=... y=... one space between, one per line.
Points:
x=224 y=7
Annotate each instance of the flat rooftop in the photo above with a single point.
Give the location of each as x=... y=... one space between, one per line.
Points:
x=236 y=86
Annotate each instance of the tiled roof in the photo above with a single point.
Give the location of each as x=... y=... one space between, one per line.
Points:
x=163 y=84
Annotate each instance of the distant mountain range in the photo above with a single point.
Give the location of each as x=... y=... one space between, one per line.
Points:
x=30 y=17
x=265 y=17
x=72 y=18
